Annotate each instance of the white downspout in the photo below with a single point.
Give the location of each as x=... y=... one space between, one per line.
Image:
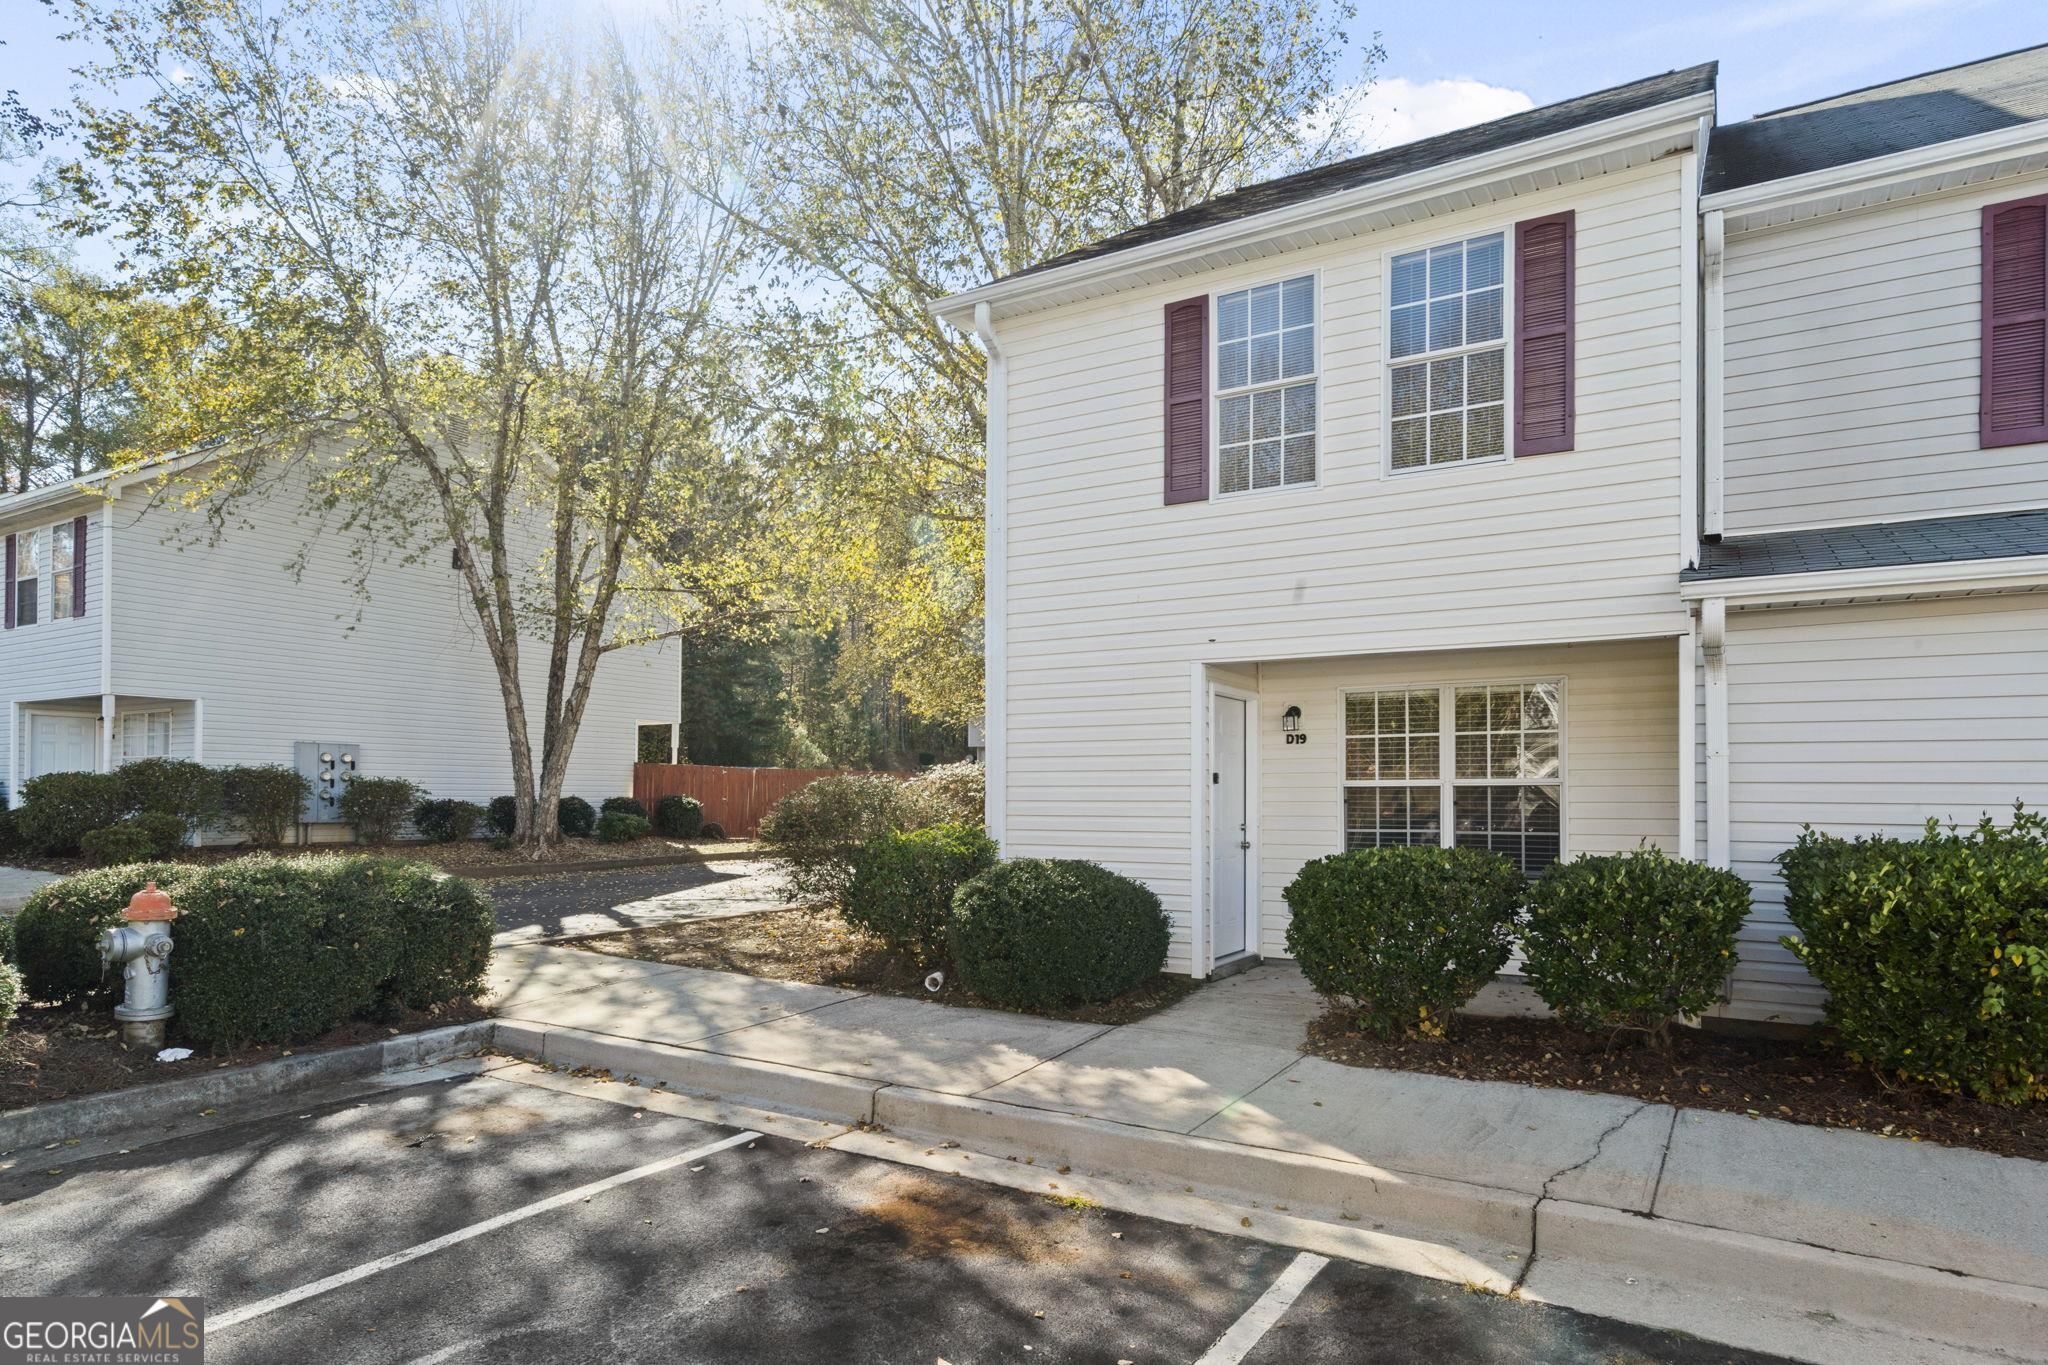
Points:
x=1689 y=355
x=108 y=700
x=1713 y=249
x=1713 y=649
x=1688 y=732
x=995 y=582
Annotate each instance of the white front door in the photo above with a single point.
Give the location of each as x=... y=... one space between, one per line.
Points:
x=60 y=744
x=1229 y=836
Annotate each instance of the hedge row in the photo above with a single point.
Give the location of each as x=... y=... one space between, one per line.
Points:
x=145 y=800
x=270 y=949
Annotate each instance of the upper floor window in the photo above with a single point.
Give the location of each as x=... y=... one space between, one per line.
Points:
x=63 y=557
x=1447 y=353
x=28 y=575
x=1266 y=386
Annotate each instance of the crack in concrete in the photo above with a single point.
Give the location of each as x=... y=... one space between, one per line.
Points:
x=1543 y=1194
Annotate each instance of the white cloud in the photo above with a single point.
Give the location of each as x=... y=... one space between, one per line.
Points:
x=1397 y=110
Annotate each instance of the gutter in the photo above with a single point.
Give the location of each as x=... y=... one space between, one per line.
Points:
x=1872 y=171
x=1953 y=577
x=1677 y=115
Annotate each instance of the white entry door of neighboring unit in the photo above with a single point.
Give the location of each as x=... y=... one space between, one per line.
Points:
x=60 y=744
x=1229 y=836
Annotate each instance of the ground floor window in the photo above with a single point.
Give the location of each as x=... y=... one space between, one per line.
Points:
x=1503 y=787
x=145 y=734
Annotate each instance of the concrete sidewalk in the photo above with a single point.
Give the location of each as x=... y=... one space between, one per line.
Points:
x=1820 y=1244
x=17 y=883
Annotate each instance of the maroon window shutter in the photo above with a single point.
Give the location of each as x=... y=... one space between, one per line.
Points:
x=1187 y=400
x=78 y=566
x=10 y=583
x=2013 y=402
x=1544 y=309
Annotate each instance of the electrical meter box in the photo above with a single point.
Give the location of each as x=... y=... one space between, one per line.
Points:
x=330 y=767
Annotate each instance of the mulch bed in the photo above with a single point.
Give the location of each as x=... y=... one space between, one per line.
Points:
x=816 y=946
x=473 y=856
x=63 y=1052
x=1800 y=1081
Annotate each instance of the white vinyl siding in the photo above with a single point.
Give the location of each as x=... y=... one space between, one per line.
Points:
x=1852 y=369
x=1112 y=596
x=1871 y=719
x=53 y=659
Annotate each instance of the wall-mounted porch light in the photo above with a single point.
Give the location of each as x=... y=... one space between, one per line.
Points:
x=1290 y=721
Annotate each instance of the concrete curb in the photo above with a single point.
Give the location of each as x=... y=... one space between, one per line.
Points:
x=1569 y=1241
x=150 y=1104
x=736 y=1080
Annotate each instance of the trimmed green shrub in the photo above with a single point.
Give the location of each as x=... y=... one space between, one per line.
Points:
x=574 y=817
x=902 y=886
x=57 y=932
x=6 y=938
x=679 y=817
x=618 y=827
x=59 y=809
x=445 y=821
x=622 y=805
x=265 y=799
x=191 y=792
x=276 y=950
x=1046 y=932
x=813 y=833
x=443 y=924
x=1632 y=940
x=503 y=815
x=11 y=840
x=125 y=842
x=10 y=994
x=378 y=806
x=1934 y=951
x=1405 y=934
x=949 y=794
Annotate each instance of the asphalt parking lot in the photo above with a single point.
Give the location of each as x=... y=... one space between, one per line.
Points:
x=477 y=1218
x=582 y=901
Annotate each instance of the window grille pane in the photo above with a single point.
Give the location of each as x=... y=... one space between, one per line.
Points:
x=1446 y=324
x=1266 y=415
x=1266 y=464
x=1411 y=443
x=1411 y=390
x=1409 y=331
x=1231 y=315
x=1483 y=316
x=1483 y=376
x=1234 y=469
x=1447 y=383
x=1422 y=711
x=1265 y=357
x=1299 y=460
x=1411 y=277
x=1446 y=437
x=1504 y=708
x=1235 y=424
x=1298 y=302
x=1378 y=817
x=1361 y=759
x=1297 y=352
x=1358 y=711
x=1484 y=257
x=1301 y=409
x=1446 y=270
x=1230 y=365
x=1483 y=432
x=1265 y=309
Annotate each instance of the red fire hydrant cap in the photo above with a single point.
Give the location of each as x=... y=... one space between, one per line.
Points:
x=150 y=904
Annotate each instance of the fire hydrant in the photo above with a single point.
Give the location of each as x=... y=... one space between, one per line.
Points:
x=142 y=947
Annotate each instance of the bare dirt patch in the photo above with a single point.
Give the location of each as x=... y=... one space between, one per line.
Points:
x=814 y=945
x=930 y=1222
x=61 y=1053
x=1798 y=1081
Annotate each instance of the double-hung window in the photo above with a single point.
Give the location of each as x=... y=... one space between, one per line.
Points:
x=63 y=562
x=1487 y=756
x=1266 y=386
x=28 y=575
x=145 y=734
x=1447 y=354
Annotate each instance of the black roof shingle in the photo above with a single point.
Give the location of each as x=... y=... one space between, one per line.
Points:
x=1892 y=544
x=1526 y=126
x=1919 y=111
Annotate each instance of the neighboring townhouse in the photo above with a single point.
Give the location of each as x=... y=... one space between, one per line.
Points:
x=1449 y=494
x=132 y=630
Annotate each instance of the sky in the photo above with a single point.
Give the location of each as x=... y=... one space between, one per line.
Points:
x=1451 y=64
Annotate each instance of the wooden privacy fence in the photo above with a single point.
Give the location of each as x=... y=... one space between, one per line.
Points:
x=735 y=799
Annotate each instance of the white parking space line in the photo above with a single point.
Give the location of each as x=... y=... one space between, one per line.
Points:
x=234 y=1317
x=1235 y=1344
